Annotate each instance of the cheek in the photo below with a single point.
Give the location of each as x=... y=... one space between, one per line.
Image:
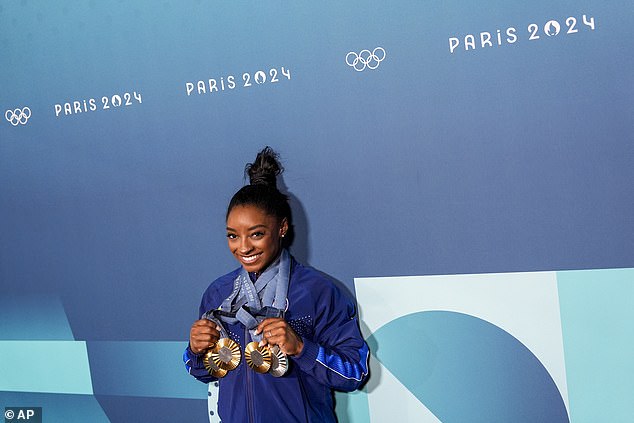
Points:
x=261 y=245
x=273 y=245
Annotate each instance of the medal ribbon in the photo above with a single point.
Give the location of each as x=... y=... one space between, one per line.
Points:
x=212 y=315
x=251 y=303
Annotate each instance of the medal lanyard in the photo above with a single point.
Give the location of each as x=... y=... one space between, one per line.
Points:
x=266 y=298
x=214 y=317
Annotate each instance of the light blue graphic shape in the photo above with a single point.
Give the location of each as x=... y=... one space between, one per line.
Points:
x=352 y=406
x=58 y=407
x=142 y=369
x=463 y=368
x=45 y=366
x=597 y=315
x=33 y=318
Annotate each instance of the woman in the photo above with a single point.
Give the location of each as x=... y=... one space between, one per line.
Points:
x=291 y=335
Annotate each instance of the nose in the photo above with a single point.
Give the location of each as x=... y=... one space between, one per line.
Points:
x=245 y=245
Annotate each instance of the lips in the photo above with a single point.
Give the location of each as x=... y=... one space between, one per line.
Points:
x=250 y=259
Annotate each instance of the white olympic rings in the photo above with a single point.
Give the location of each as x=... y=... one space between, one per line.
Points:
x=18 y=116
x=365 y=58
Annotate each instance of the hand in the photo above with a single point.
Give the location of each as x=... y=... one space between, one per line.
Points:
x=276 y=331
x=203 y=335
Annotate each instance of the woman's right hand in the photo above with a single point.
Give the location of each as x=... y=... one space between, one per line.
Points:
x=203 y=335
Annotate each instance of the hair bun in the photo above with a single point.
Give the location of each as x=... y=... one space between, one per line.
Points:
x=265 y=168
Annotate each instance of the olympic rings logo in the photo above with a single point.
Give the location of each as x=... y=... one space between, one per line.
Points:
x=365 y=59
x=18 y=116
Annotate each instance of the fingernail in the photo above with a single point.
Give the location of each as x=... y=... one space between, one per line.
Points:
x=262 y=343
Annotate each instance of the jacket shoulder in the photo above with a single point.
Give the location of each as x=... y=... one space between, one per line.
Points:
x=318 y=283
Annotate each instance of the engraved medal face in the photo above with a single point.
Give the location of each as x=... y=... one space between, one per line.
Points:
x=279 y=362
x=226 y=354
x=211 y=367
x=258 y=358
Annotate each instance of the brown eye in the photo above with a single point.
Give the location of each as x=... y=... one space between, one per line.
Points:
x=231 y=236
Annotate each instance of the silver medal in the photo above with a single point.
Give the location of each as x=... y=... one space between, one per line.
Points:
x=279 y=362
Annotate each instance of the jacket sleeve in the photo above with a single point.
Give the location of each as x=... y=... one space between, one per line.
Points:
x=337 y=355
x=195 y=366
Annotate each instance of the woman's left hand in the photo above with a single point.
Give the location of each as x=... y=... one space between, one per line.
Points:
x=276 y=331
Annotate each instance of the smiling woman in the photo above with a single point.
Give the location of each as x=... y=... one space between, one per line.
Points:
x=254 y=237
x=290 y=322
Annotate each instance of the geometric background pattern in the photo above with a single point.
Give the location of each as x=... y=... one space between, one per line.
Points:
x=441 y=364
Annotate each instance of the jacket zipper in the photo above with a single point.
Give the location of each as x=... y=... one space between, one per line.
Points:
x=249 y=385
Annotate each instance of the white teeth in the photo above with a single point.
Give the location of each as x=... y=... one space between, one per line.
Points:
x=250 y=259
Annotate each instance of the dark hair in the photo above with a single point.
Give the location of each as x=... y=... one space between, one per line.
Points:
x=262 y=191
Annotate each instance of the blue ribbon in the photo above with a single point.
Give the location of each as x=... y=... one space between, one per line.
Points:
x=251 y=303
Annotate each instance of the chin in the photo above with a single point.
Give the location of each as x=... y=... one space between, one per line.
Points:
x=256 y=268
x=252 y=267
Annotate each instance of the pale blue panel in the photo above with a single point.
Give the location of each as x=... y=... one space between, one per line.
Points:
x=143 y=369
x=31 y=317
x=467 y=369
x=352 y=407
x=58 y=407
x=45 y=366
x=597 y=311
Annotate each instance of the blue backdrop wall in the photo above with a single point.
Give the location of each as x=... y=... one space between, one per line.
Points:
x=419 y=138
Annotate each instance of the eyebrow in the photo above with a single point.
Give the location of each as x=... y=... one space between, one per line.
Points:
x=250 y=229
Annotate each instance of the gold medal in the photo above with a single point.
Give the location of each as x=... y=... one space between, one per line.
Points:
x=211 y=367
x=279 y=362
x=258 y=358
x=226 y=354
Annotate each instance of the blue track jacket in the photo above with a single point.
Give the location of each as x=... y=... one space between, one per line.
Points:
x=335 y=356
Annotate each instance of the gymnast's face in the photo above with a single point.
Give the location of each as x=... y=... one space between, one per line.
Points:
x=254 y=237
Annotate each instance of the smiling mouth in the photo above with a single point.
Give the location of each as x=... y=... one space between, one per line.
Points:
x=250 y=259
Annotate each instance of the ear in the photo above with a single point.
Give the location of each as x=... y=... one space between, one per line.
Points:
x=283 y=227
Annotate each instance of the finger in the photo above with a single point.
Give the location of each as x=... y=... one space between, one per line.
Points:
x=200 y=327
x=277 y=327
x=203 y=341
x=267 y=322
x=204 y=335
x=277 y=335
x=267 y=337
x=277 y=323
x=275 y=332
x=264 y=339
x=204 y=345
x=204 y=328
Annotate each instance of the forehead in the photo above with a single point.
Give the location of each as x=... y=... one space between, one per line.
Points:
x=248 y=216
